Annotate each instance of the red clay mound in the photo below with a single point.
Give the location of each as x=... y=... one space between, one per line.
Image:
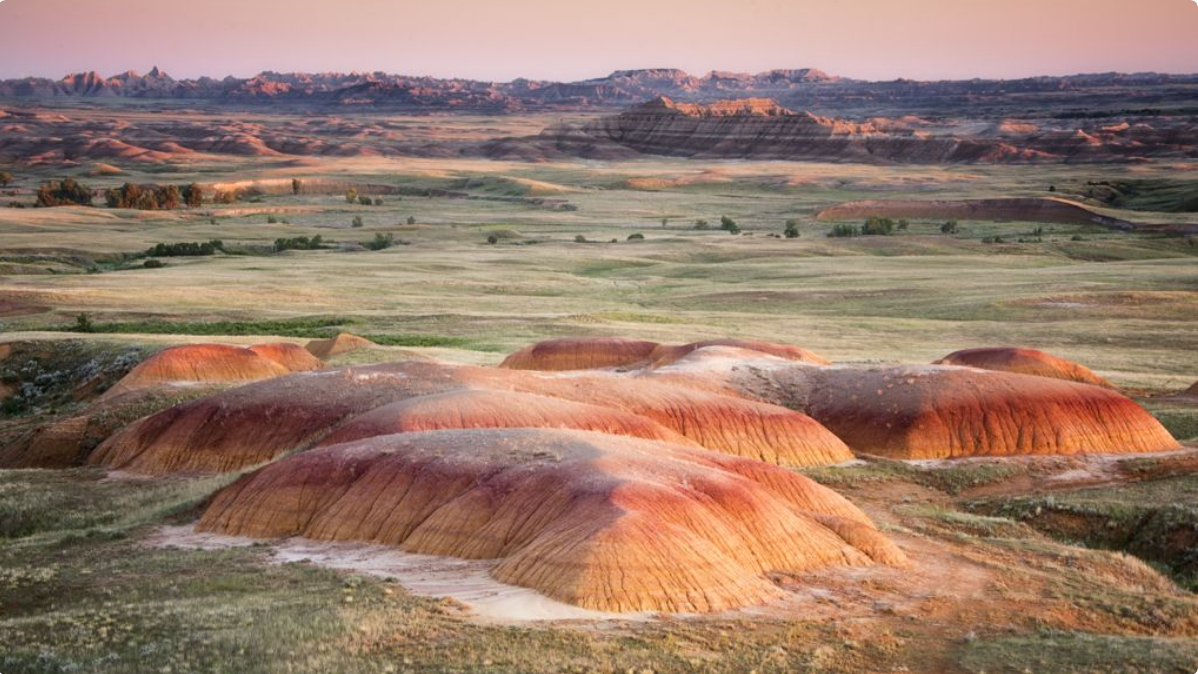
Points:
x=325 y=349
x=1024 y=361
x=293 y=357
x=258 y=422
x=580 y=353
x=932 y=412
x=467 y=408
x=207 y=364
x=721 y=423
x=599 y=521
x=666 y=355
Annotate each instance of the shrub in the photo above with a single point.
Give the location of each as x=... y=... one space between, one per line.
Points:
x=5 y=178
x=411 y=219
x=380 y=242
x=637 y=236
x=702 y=224
x=1077 y=237
x=949 y=227
x=993 y=239
x=193 y=195
x=903 y=225
x=580 y=239
x=153 y=264
x=844 y=232
x=665 y=221
x=792 y=229
x=186 y=249
x=378 y=201
x=728 y=223
x=365 y=201
x=1038 y=232
x=1052 y=188
x=271 y=220
x=351 y=195
x=357 y=222
x=492 y=239
x=296 y=186
x=877 y=227
x=83 y=323
x=65 y=193
x=300 y=243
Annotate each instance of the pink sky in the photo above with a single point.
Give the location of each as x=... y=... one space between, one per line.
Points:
x=569 y=39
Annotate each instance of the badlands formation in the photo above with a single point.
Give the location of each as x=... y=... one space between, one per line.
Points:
x=1024 y=361
x=611 y=474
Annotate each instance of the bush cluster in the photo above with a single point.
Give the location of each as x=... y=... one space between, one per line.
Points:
x=186 y=249
x=68 y=192
x=300 y=243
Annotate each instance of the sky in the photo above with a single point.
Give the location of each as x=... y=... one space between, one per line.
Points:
x=577 y=39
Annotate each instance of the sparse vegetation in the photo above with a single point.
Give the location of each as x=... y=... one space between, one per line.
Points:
x=701 y=224
x=357 y=222
x=792 y=229
x=300 y=243
x=843 y=231
x=380 y=242
x=949 y=227
x=186 y=249
x=877 y=227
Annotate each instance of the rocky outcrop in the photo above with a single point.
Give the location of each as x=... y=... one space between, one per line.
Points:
x=580 y=353
x=1024 y=361
x=1023 y=209
x=215 y=364
x=594 y=520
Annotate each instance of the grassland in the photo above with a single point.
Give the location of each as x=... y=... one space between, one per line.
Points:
x=994 y=588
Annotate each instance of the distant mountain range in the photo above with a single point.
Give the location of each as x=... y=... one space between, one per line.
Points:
x=802 y=88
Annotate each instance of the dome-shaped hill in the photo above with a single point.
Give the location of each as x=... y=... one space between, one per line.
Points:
x=242 y=427
x=293 y=357
x=599 y=521
x=580 y=353
x=931 y=412
x=335 y=346
x=474 y=408
x=1024 y=361
x=666 y=355
x=209 y=364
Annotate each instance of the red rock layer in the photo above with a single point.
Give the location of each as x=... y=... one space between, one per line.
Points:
x=466 y=408
x=666 y=355
x=214 y=364
x=1024 y=361
x=595 y=520
x=261 y=421
x=932 y=412
x=580 y=353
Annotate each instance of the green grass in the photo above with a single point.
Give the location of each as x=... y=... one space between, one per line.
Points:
x=313 y=327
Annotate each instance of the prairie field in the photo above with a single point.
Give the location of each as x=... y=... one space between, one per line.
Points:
x=1040 y=564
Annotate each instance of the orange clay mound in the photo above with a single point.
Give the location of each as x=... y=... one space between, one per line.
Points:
x=666 y=355
x=468 y=408
x=293 y=357
x=258 y=422
x=325 y=349
x=1024 y=361
x=599 y=521
x=208 y=364
x=580 y=353
x=932 y=412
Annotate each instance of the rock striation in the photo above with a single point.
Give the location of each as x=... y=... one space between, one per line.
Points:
x=595 y=520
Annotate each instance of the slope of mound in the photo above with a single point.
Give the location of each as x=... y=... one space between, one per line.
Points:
x=599 y=521
x=1024 y=361
x=666 y=355
x=1052 y=211
x=467 y=408
x=932 y=412
x=293 y=357
x=580 y=353
x=258 y=422
x=325 y=349
x=199 y=363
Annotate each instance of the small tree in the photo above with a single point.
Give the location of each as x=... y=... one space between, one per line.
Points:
x=492 y=239
x=949 y=227
x=844 y=232
x=357 y=221
x=728 y=223
x=351 y=196
x=193 y=195
x=411 y=219
x=65 y=193
x=792 y=229
x=5 y=178
x=83 y=323
x=665 y=221
x=169 y=197
x=877 y=227
x=296 y=186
